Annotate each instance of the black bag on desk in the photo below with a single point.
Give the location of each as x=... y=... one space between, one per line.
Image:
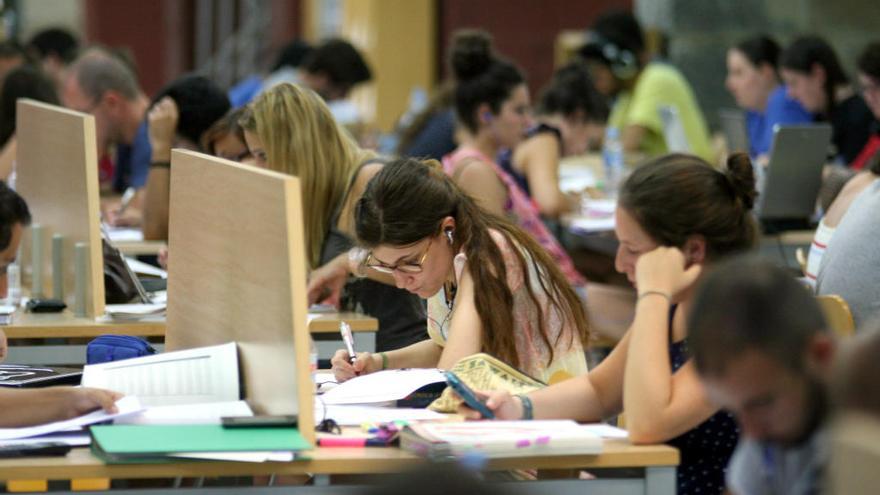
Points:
x=119 y=284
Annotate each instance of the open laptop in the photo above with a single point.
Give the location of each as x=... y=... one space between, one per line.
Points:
x=733 y=127
x=791 y=181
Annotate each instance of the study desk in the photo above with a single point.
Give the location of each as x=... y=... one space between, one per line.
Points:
x=65 y=325
x=656 y=462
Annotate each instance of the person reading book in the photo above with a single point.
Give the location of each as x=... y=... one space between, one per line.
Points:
x=676 y=215
x=32 y=407
x=490 y=286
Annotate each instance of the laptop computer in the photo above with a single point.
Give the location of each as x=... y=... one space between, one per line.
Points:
x=790 y=184
x=733 y=127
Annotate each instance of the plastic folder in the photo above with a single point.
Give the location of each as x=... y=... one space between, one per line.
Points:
x=129 y=443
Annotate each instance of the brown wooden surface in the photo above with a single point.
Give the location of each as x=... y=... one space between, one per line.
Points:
x=81 y=464
x=65 y=325
x=57 y=174
x=137 y=248
x=238 y=273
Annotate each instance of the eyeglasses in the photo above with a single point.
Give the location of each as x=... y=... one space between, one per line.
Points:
x=405 y=267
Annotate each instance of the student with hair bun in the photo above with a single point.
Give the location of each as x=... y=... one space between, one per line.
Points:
x=570 y=115
x=676 y=215
x=492 y=107
x=753 y=80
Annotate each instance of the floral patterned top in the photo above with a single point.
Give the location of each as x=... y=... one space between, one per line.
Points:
x=568 y=355
x=523 y=210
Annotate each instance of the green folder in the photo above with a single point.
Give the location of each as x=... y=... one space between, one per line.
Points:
x=127 y=443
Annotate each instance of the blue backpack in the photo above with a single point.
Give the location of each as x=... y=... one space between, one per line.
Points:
x=116 y=347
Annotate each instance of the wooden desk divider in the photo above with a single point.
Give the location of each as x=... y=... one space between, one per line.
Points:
x=57 y=174
x=237 y=272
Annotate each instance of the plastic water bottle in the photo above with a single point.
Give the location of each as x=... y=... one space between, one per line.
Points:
x=612 y=155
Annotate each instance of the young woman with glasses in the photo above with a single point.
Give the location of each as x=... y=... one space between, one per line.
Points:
x=490 y=287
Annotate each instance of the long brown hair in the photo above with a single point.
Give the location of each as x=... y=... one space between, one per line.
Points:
x=407 y=202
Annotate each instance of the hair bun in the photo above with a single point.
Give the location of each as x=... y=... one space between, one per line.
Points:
x=741 y=177
x=471 y=53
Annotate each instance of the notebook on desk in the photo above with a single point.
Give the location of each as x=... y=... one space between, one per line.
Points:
x=24 y=376
x=500 y=438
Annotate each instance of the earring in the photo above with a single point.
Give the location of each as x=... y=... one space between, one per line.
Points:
x=449 y=235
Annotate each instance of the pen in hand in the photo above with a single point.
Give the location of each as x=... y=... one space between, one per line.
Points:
x=348 y=340
x=127 y=196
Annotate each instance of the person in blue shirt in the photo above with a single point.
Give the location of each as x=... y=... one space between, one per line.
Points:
x=101 y=84
x=753 y=80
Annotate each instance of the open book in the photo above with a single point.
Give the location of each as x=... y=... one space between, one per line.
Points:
x=484 y=372
x=500 y=438
x=191 y=376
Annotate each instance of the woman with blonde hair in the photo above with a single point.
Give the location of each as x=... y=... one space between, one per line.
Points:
x=289 y=129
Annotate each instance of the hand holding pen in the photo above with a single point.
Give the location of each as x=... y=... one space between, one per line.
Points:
x=348 y=340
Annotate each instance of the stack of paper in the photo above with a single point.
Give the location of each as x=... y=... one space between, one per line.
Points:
x=500 y=438
x=597 y=215
x=135 y=312
x=126 y=406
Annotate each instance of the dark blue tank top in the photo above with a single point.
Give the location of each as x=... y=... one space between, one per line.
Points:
x=706 y=449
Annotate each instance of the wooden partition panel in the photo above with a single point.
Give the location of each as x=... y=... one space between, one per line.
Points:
x=57 y=174
x=237 y=272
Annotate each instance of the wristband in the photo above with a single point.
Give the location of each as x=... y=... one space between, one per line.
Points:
x=655 y=293
x=384 y=360
x=528 y=410
x=161 y=164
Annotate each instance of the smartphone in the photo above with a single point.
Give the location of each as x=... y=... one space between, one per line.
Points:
x=468 y=395
x=284 y=421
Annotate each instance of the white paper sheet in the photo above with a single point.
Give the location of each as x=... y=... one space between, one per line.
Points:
x=259 y=456
x=78 y=438
x=142 y=268
x=125 y=405
x=135 y=311
x=208 y=413
x=192 y=376
x=124 y=234
x=382 y=386
x=354 y=415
